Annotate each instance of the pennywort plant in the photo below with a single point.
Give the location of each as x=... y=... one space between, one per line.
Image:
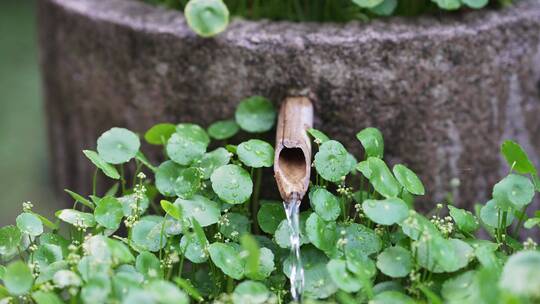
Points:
x=195 y=228
x=210 y=17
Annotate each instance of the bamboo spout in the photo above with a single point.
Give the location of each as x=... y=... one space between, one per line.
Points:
x=292 y=162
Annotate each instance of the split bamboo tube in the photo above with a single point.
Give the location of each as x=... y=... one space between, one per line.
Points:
x=292 y=162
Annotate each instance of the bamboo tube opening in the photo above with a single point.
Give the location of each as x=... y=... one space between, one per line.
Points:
x=292 y=163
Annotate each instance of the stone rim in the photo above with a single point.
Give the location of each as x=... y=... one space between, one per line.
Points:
x=157 y=20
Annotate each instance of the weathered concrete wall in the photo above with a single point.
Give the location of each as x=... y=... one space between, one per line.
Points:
x=445 y=90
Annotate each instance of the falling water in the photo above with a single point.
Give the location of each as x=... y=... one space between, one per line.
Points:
x=297 y=271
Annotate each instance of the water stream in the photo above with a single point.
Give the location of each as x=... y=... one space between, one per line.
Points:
x=292 y=210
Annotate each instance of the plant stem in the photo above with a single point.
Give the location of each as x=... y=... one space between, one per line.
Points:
x=123 y=179
x=230 y=285
x=94 y=182
x=520 y=222
x=255 y=199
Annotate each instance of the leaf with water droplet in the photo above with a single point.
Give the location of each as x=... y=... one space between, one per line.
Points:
x=517 y=158
x=513 y=191
x=255 y=114
x=29 y=224
x=187 y=183
x=149 y=265
x=232 y=184
x=342 y=277
x=459 y=289
x=223 y=129
x=416 y=224
x=408 y=179
x=227 y=258
x=118 y=145
x=213 y=160
x=193 y=249
x=256 y=153
x=235 y=225
x=317 y=281
x=372 y=141
x=159 y=134
x=360 y=240
x=187 y=144
x=331 y=161
x=109 y=213
x=148 y=233
x=166 y=176
x=382 y=179
x=324 y=203
x=18 y=278
x=443 y=255
x=386 y=212
x=270 y=215
x=520 y=274
x=10 y=238
x=165 y=292
x=204 y=210
x=129 y=201
x=207 y=17
x=76 y=217
x=105 y=167
x=395 y=262
x=322 y=235
x=489 y=214
x=464 y=219
x=250 y=292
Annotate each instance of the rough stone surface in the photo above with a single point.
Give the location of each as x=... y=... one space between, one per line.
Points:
x=445 y=90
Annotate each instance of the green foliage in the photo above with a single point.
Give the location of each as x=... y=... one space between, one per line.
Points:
x=210 y=17
x=197 y=230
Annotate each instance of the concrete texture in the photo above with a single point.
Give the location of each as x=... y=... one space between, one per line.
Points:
x=445 y=90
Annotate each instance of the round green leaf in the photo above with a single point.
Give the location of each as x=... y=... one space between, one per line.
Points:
x=232 y=184
x=159 y=134
x=255 y=114
x=187 y=183
x=105 y=167
x=148 y=264
x=96 y=290
x=148 y=233
x=386 y=212
x=223 y=129
x=265 y=265
x=386 y=8
x=318 y=136
x=283 y=232
x=193 y=249
x=382 y=179
x=75 y=217
x=490 y=215
x=29 y=224
x=325 y=204
x=360 y=240
x=165 y=292
x=516 y=157
x=234 y=225
x=250 y=292
x=187 y=144
x=371 y=138
x=18 y=278
x=166 y=176
x=331 y=161
x=10 y=238
x=66 y=278
x=513 y=191
x=415 y=225
x=47 y=254
x=129 y=201
x=458 y=289
x=226 y=257
x=341 y=276
x=367 y=4
x=317 y=281
x=205 y=211
x=120 y=253
x=408 y=179
x=118 y=145
x=256 y=153
x=395 y=262
x=448 y=4
x=443 y=255
x=213 y=160
x=476 y=4
x=46 y=297
x=465 y=220
x=520 y=274
x=109 y=213
x=207 y=17
x=392 y=297
x=321 y=234
x=270 y=216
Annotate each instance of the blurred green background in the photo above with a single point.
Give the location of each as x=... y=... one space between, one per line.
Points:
x=24 y=161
